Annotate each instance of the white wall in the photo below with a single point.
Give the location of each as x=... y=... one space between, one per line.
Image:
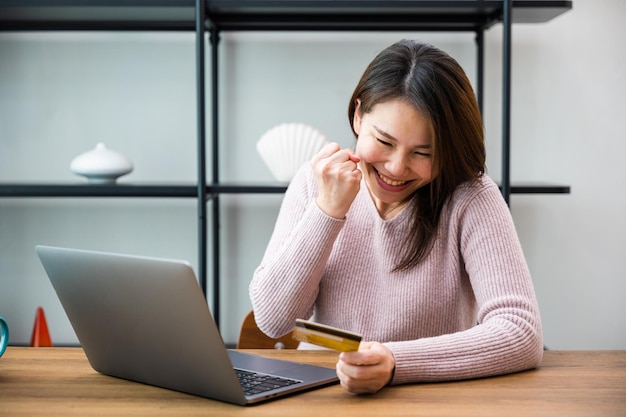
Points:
x=60 y=93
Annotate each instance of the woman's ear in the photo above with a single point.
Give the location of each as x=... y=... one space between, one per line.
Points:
x=357 y=118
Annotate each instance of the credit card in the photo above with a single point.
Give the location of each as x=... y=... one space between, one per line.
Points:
x=326 y=336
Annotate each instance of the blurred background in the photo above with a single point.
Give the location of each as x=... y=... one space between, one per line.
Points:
x=63 y=92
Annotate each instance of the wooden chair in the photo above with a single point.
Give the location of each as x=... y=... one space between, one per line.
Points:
x=251 y=337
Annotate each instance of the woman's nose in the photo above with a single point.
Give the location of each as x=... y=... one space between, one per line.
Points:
x=396 y=165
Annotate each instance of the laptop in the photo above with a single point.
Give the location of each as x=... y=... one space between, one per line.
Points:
x=146 y=320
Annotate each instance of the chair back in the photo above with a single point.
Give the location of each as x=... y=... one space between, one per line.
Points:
x=251 y=337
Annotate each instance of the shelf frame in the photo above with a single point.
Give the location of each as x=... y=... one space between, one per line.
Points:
x=215 y=16
x=180 y=15
x=394 y=16
x=58 y=190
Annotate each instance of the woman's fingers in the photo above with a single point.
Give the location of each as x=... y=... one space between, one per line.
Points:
x=367 y=370
x=326 y=151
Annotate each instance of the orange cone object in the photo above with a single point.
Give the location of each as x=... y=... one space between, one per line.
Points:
x=41 y=336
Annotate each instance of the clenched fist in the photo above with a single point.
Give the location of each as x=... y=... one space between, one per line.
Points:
x=338 y=179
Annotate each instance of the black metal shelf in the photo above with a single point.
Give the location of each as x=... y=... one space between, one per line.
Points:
x=214 y=16
x=436 y=15
x=99 y=190
x=47 y=15
x=60 y=190
x=176 y=15
x=131 y=190
x=540 y=189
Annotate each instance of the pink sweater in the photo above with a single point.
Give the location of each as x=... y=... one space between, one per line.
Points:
x=469 y=310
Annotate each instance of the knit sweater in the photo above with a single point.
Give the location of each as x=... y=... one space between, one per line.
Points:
x=468 y=310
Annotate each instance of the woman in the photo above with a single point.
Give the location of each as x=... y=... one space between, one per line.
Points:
x=405 y=240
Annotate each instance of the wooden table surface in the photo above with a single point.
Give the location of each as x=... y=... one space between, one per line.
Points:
x=60 y=382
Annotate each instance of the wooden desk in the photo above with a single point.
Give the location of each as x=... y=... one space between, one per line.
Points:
x=60 y=382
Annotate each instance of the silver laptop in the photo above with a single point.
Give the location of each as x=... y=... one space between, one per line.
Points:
x=147 y=320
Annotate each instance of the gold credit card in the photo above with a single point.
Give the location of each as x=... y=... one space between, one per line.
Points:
x=326 y=336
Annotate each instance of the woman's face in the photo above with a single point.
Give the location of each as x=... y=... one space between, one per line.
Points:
x=394 y=144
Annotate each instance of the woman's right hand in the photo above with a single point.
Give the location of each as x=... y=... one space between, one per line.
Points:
x=338 y=179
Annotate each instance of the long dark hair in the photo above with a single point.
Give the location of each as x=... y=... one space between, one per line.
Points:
x=433 y=82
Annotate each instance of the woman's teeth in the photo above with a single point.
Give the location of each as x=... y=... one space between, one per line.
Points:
x=389 y=181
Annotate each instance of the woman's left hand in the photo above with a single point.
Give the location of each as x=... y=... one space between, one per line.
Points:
x=367 y=370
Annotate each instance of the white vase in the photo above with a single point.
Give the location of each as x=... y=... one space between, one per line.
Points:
x=101 y=165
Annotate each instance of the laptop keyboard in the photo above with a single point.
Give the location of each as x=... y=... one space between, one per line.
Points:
x=256 y=383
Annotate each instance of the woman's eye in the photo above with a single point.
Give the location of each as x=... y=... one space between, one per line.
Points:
x=383 y=142
x=424 y=154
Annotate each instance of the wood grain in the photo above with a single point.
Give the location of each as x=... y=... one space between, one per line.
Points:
x=60 y=382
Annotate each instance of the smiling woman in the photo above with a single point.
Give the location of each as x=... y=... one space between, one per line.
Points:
x=430 y=88
x=405 y=240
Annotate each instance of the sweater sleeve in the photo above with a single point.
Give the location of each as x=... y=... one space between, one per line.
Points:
x=508 y=335
x=285 y=285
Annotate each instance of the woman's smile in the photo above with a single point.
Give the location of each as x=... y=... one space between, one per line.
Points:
x=389 y=183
